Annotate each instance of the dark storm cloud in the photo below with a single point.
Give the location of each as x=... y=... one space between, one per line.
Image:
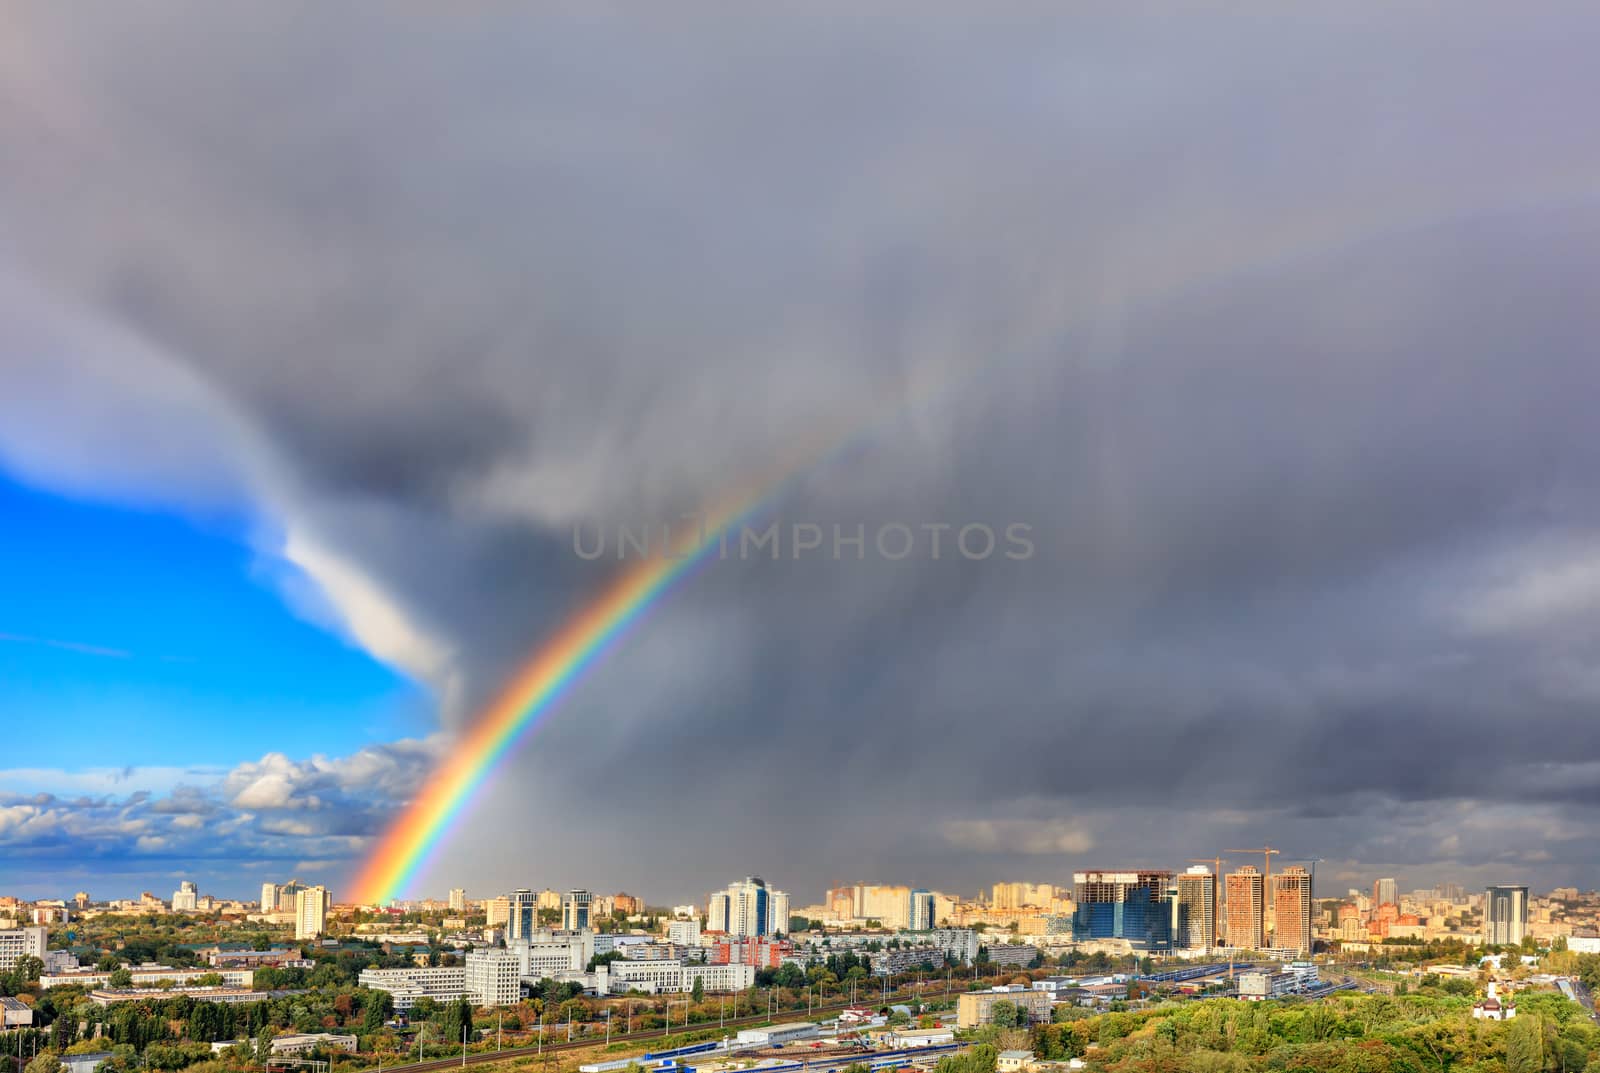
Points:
x=1277 y=332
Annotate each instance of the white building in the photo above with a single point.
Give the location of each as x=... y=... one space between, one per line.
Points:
x=548 y=953
x=920 y=910
x=311 y=912
x=441 y=983
x=147 y=975
x=458 y=899
x=186 y=899
x=18 y=943
x=494 y=977
x=778 y=1035
x=269 y=897
x=653 y=977
x=748 y=909
x=306 y=1042
x=684 y=932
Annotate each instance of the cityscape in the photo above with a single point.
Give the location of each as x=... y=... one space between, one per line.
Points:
x=892 y=537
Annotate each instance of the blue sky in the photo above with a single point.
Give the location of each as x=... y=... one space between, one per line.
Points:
x=190 y=654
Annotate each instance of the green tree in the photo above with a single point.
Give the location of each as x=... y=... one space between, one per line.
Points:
x=698 y=992
x=44 y=1062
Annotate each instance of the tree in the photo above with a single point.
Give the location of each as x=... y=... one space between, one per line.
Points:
x=698 y=992
x=45 y=1062
x=1003 y=1014
x=121 y=978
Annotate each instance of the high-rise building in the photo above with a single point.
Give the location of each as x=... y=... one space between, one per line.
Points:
x=919 y=913
x=186 y=899
x=1505 y=915
x=522 y=914
x=1384 y=892
x=1245 y=911
x=269 y=897
x=777 y=912
x=1021 y=895
x=289 y=896
x=575 y=909
x=497 y=911
x=311 y=912
x=1132 y=905
x=458 y=899
x=747 y=909
x=1291 y=903
x=1196 y=926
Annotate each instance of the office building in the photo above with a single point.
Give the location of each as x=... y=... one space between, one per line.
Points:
x=311 y=912
x=18 y=943
x=1196 y=926
x=494 y=976
x=670 y=975
x=1245 y=910
x=458 y=899
x=1384 y=892
x=522 y=914
x=919 y=912
x=1291 y=905
x=186 y=899
x=497 y=912
x=1505 y=916
x=575 y=909
x=1131 y=905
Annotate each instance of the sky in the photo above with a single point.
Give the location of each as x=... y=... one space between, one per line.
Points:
x=322 y=329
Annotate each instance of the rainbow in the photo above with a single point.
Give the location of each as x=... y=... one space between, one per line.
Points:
x=555 y=667
x=580 y=641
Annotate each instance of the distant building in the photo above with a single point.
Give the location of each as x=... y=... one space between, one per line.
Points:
x=748 y=908
x=522 y=914
x=269 y=897
x=18 y=943
x=1246 y=922
x=575 y=910
x=439 y=983
x=684 y=932
x=1384 y=892
x=1505 y=915
x=1197 y=909
x=1291 y=905
x=656 y=977
x=919 y=911
x=778 y=1035
x=1131 y=905
x=186 y=899
x=311 y=912
x=458 y=899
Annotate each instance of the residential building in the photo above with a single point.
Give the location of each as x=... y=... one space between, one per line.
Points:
x=497 y=912
x=1196 y=926
x=269 y=897
x=575 y=910
x=919 y=911
x=748 y=908
x=1019 y=955
x=1020 y=895
x=684 y=932
x=186 y=898
x=1384 y=892
x=311 y=912
x=18 y=943
x=1291 y=903
x=1245 y=910
x=1132 y=905
x=1505 y=915
x=458 y=899
x=778 y=913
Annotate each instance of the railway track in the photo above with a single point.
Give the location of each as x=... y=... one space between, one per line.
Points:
x=641 y=1036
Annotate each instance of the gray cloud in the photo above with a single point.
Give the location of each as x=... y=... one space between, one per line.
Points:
x=1277 y=331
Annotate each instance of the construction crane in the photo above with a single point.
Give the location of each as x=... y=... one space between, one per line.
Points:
x=1312 y=861
x=1267 y=853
